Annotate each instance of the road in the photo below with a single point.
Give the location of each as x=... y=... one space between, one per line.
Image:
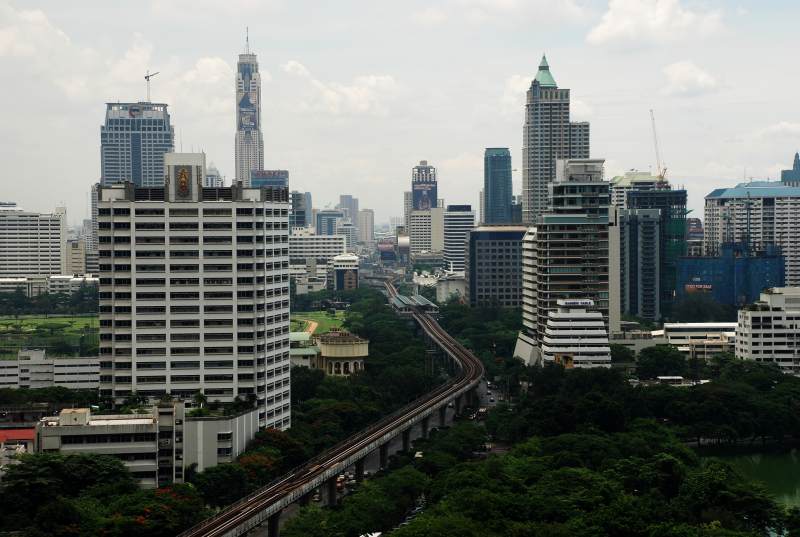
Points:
x=235 y=519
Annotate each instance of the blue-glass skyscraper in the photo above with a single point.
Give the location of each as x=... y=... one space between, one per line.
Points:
x=497 y=195
x=133 y=141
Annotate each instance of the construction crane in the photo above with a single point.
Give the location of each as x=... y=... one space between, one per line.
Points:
x=662 y=171
x=149 y=75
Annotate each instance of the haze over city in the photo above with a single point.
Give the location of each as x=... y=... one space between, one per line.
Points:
x=356 y=93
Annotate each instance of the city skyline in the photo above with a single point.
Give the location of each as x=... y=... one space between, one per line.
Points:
x=312 y=92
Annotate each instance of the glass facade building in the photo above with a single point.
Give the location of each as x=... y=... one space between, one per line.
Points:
x=497 y=189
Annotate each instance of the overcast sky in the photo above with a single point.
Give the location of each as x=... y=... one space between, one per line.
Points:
x=356 y=92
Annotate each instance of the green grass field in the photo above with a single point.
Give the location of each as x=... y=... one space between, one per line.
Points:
x=326 y=321
x=60 y=335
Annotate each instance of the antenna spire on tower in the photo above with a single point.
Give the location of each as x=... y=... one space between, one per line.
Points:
x=247 y=40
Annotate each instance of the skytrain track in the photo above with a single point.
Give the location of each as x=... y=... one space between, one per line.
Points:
x=234 y=518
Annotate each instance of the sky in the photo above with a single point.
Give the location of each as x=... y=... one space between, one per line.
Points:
x=355 y=93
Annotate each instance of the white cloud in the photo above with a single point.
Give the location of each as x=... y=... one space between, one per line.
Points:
x=430 y=16
x=367 y=94
x=780 y=130
x=684 y=78
x=514 y=91
x=501 y=11
x=652 y=21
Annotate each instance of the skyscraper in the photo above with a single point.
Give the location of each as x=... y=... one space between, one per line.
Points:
x=133 y=142
x=327 y=220
x=366 y=226
x=349 y=205
x=32 y=244
x=213 y=178
x=299 y=216
x=188 y=308
x=408 y=205
x=497 y=185
x=423 y=186
x=249 y=141
x=792 y=177
x=547 y=135
x=458 y=222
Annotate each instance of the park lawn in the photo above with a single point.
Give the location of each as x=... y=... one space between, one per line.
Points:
x=326 y=321
x=60 y=335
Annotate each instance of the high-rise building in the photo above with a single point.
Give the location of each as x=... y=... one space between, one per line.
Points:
x=194 y=291
x=694 y=237
x=309 y=208
x=133 y=142
x=75 y=253
x=493 y=268
x=299 y=216
x=408 y=205
x=423 y=186
x=327 y=220
x=672 y=235
x=459 y=220
x=634 y=180
x=640 y=264
x=576 y=336
x=792 y=177
x=343 y=273
x=516 y=209
x=349 y=205
x=366 y=226
x=91 y=244
x=32 y=244
x=346 y=228
x=304 y=245
x=497 y=185
x=426 y=230
x=767 y=330
x=547 y=135
x=570 y=253
x=213 y=178
x=270 y=178
x=249 y=140
x=481 y=207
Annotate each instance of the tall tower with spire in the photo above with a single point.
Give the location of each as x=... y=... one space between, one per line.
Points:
x=249 y=140
x=792 y=177
x=547 y=135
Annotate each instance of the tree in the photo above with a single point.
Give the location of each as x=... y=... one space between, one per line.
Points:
x=620 y=354
x=661 y=360
x=223 y=484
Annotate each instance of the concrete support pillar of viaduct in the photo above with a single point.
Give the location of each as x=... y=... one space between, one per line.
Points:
x=359 y=470
x=305 y=499
x=458 y=404
x=407 y=440
x=443 y=416
x=383 y=452
x=330 y=486
x=273 y=524
x=425 y=426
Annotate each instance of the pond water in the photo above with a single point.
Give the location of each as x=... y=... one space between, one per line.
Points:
x=780 y=473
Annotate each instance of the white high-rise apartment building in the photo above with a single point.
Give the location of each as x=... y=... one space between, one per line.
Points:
x=194 y=291
x=760 y=213
x=249 y=140
x=575 y=336
x=459 y=220
x=426 y=230
x=634 y=180
x=366 y=226
x=547 y=135
x=32 y=244
x=304 y=244
x=769 y=330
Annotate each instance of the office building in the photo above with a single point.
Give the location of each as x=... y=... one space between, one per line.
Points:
x=194 y=291
x=345 y=228
x=672 y=238
x=640 y=264
x=759 y=214
x=37 y=285
x=303 y=245
x=249 y=150
x=424 y=193
x=299 y=216
x=516 y=210
x=767 y=329
x=75 y=253
x=213 y=178
x=575 y=336
x=497 y=191
x=792 y=177
x=694 y=237
x=33 y=369
x=88 y=235
x=343 y=272
x=269 y=178
x=366 y=226
x=133 y=142
x=634 y=180
x=735 y=277
x=458 y=222
x=426 y=230
x=493 y=268
x=570 y=253
x=91 y=243
x=309 y=208
x=408 y=204
x=327 y=221
x=349 y=205
x=547 y=135
x=32 y=244
x=700 y=341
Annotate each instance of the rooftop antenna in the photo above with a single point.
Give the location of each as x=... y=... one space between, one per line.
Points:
x=247 y=40
x=147 y=77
